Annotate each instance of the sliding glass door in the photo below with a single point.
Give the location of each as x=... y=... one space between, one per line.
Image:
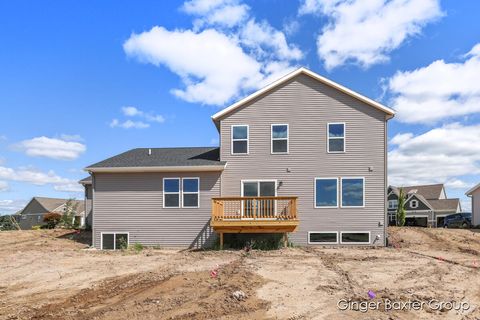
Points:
x=259 y=208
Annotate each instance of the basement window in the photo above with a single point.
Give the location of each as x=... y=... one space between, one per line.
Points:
x=322 y=237
x=240 y=139
x=279 y=138
x=171 y=192
x=114 y=241
x=355 y=237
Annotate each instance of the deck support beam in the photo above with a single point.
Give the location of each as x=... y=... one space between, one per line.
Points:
x=221 y=240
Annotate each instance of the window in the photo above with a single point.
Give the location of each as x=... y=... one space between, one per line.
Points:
x=353 y=192
x=190 y=192
x=321 y=237
x=171 y=192
x=393 y=204
x=240 y=139
x=279 y=136
x=414 y=204
x=114 y=241
x=326 y=192
x=355 y=237
x=336 y=137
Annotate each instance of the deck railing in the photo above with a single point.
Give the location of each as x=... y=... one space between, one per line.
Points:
x=254 y=208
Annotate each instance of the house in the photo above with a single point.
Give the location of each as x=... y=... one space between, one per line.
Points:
x=37 y=207
x=87 y=184
x=303 y=157
x=425 y=205
x=474 y=193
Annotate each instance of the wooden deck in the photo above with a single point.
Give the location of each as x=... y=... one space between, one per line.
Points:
x=254 y=215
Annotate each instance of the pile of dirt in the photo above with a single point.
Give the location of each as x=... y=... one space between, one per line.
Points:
x=230 y=291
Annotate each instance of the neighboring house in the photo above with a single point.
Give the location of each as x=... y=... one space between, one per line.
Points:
x=88 y=200
x=302 y=155
x=474 y=193
x=425 y=205
x=34 y=211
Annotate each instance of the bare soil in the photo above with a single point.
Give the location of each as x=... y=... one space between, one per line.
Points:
x=49 y=274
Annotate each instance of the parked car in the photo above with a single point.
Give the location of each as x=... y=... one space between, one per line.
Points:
x=458 y=220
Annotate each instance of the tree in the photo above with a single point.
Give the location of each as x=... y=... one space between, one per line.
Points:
x=401 y=208
x=69 y=212
x=7 y=222
x=52 y=219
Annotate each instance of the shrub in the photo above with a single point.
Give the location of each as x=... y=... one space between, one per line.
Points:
x=37 y=227
x=52 y=219
x=137 y=247
x=122 y=244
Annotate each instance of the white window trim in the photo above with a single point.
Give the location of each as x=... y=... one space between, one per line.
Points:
x=114 y=239
x=412 y=202
x=369 y=237
x=341 y=192
x=321 y=243
x=391 y=202
x=232 y=140
x=258 y=182
x=179 y=192
x=197 y=193
x=279 y=139
x=315 y=192
x=344 y=137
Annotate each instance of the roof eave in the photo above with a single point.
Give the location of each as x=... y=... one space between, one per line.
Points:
x=390 y=112
x=157 y=169
x=472 y=190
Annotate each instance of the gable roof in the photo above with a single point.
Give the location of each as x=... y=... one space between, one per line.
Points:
x=87 y=180
x=54 y=204
x=162 y=159
x=420 y=198
x=445 y=204
x=390 y=112
x=469 y=192
x=430 y=191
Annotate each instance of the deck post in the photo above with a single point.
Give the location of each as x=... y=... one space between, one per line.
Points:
x=285 y=240
x=221 y=240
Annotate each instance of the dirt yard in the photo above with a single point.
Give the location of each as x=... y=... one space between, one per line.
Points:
x=45 y=275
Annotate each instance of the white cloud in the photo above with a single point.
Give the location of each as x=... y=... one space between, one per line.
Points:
x=11 y=206
x=291 y=27
x=71 y=137
x=135 y=112
x=457 y=184
x=3 y=138
x=39 y=178
x=69 y=187
x=216 y=61
x=365 y=32
x=437 y=91
x=115 y=123
x=53 y=148
x=441 y=155
x=4 y=186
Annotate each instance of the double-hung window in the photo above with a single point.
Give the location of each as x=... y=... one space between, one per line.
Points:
x=171 y=192
x=326 y=192
x=240 y=139
x=279 y=134
x=353 y=192
x=336 y=137
x=190 y=192
x=393 y=204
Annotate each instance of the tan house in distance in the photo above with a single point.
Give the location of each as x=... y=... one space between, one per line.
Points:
x=474 y=193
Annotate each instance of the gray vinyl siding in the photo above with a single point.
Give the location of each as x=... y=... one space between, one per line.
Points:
x=88 y=204
x=133 y=203
x=476 y=207
x=32 y=215
x=307 y=106
x=421 y=205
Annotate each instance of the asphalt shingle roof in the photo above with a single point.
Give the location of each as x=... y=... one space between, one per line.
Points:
x=163 y=157
x=444 y=204
x=51 y=204
x=429 y=192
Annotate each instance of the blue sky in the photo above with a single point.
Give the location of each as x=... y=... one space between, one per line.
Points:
x=82 y=81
